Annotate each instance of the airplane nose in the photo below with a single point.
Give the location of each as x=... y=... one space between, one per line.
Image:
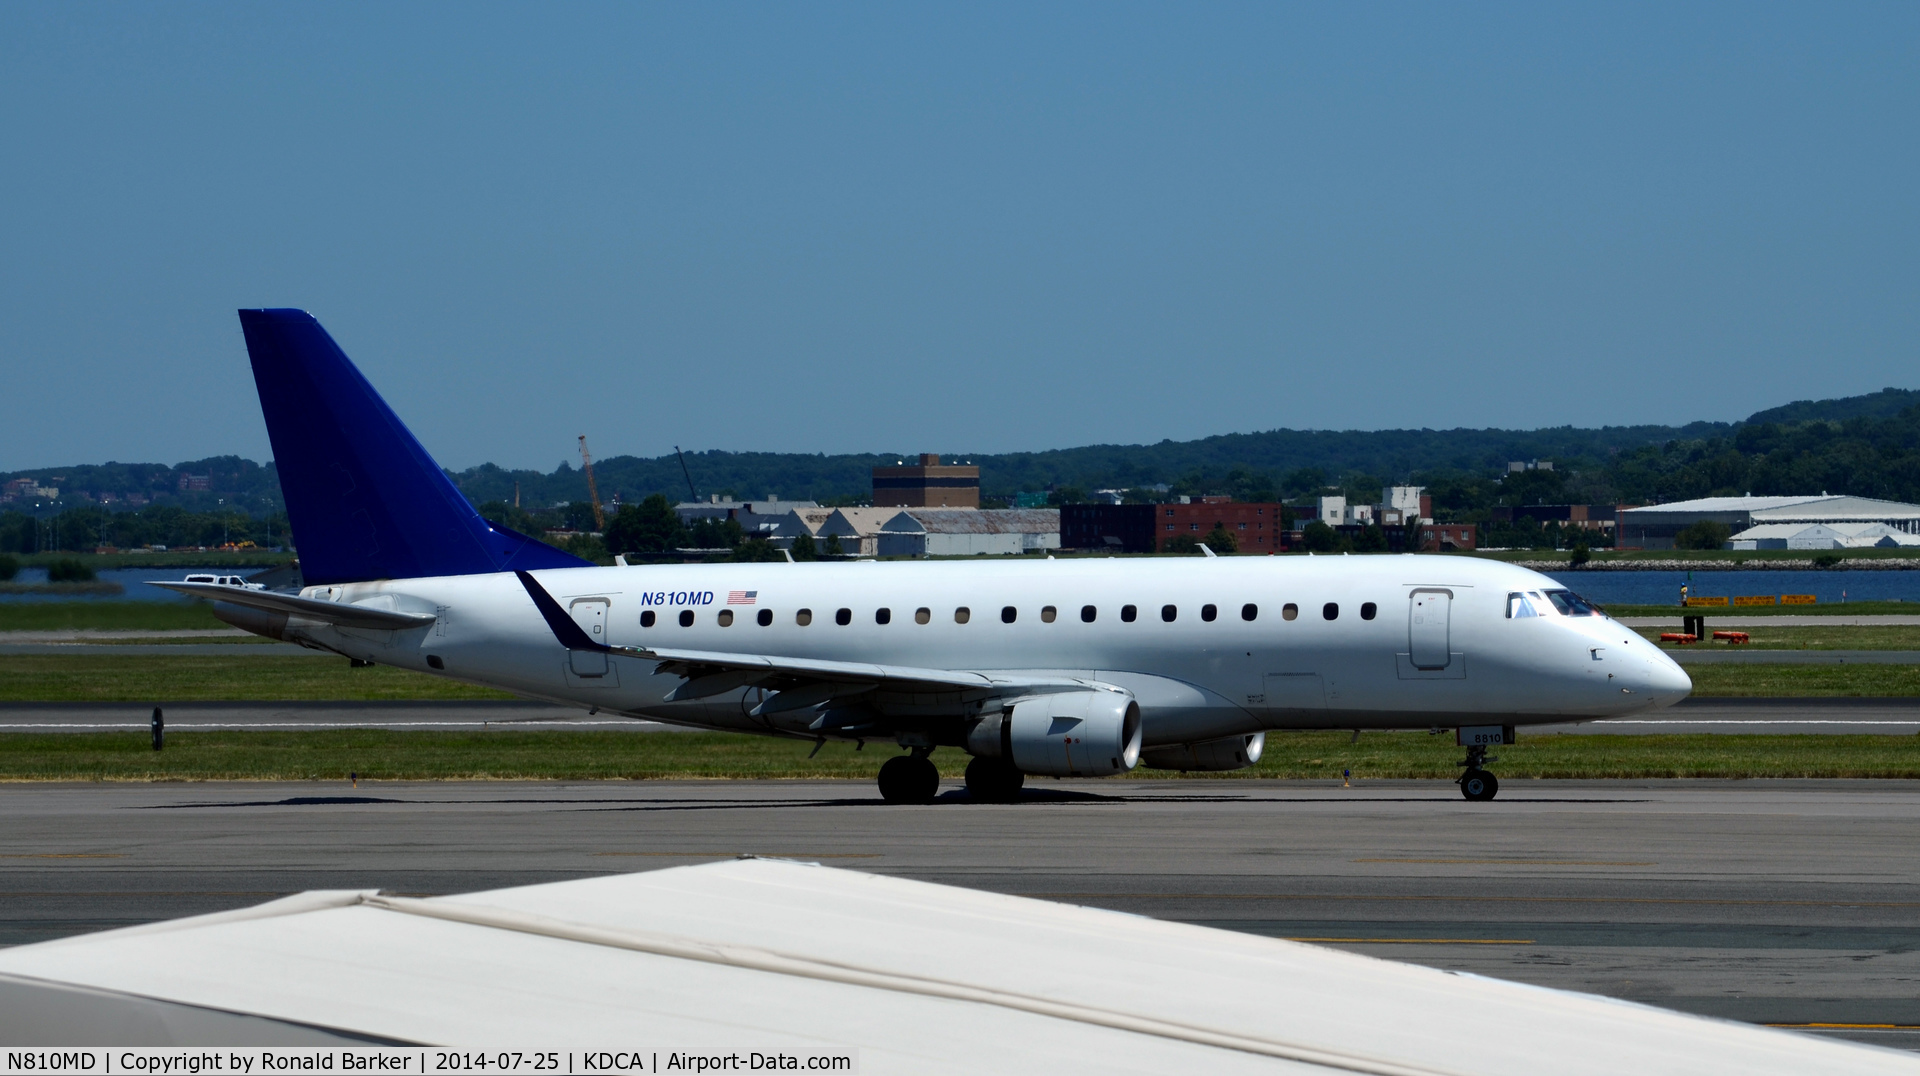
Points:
x=1667 y=682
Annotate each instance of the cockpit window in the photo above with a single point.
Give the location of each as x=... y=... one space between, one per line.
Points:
x=1571 y=604
x=1519 y=607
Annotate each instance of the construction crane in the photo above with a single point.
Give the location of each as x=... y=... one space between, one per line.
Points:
x=593 y=492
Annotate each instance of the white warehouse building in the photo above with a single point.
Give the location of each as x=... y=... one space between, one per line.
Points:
x=965 y=532
x=1654 y=526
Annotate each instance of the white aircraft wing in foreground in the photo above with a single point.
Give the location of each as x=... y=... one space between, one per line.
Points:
x=776 y=956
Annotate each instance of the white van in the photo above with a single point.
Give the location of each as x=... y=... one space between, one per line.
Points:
x=225 y=581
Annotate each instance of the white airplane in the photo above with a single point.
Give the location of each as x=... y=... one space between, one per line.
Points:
x=1085 y=667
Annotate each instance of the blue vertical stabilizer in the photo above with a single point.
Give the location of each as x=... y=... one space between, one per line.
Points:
x=365 y=500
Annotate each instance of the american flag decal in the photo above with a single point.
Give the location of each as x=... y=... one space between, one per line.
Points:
x=742 y=597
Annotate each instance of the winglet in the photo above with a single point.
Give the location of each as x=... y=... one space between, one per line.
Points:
x=571 y=635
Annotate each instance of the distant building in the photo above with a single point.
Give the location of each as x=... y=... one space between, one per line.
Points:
x=757 y=519
x=1654 y=526
x=190 y=482
x=858 y=529
x=1591 y=517
x=1518 y=466
x=1822 y=536
x=963 y=532
x=27 y=489
x=1112 y=528
x=1447 y=537
x=927 y=484
x=1145 y=528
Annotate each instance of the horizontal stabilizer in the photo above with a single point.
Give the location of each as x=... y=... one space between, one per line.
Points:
x=346 y=616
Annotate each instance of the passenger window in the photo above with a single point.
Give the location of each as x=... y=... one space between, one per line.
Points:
x=1367 y=610
x=1249 y=611
x=1209 y=612
x=883 y=616
x=1128 y=613
x=1008 y=614
x=803 y=617
x=765 y=618
x=962 y=615
x=1289 y=611
x=1331 y=610
x=1047 y=614
x=922 y=615
x=1088 y=614
x=686 y=618
x=647 y=619
x=843 y=617
x=726 y=618
x=1169 y=613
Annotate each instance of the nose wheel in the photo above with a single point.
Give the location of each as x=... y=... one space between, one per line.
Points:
x=1476 y=783
x=909 y=778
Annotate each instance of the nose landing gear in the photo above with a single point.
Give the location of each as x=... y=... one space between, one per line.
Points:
x=1476 y=783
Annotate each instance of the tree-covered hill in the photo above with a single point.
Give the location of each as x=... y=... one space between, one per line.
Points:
x=1866 y=445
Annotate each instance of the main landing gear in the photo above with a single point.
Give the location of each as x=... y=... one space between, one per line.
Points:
x=910 y=778
x=1476 y=783
x=993 y=780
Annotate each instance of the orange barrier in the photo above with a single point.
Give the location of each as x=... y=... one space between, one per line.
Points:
x=1755 y=599
x=1796 y=599
x=1733 y=638
x=1678 y=637
x=1706 y=601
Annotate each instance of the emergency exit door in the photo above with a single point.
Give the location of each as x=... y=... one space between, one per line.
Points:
x=591 y=615
x=1427 y=616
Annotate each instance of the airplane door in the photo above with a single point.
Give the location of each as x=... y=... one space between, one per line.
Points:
x=1427 y=615
x=591 y=615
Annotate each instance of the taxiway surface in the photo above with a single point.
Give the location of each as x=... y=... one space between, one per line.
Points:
x=1789 y=902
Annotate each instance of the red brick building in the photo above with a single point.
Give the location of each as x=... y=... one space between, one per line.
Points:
x=1256 y=528
x=1438 y=537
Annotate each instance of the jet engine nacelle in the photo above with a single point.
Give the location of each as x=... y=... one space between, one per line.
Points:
x=1068 y=734
x=1231 y=753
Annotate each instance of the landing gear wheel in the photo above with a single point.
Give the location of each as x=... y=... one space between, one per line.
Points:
x=992 y=780
x=909 y=779
x=1479 y=785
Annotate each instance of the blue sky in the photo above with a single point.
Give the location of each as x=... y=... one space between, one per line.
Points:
x=962 y=228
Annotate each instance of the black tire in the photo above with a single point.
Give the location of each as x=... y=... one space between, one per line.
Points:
x=907 y=779
x=992 y=780
x=1479 y=785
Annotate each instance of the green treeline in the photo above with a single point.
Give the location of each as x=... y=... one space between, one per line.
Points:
x=1863 y=445
x=88 y=527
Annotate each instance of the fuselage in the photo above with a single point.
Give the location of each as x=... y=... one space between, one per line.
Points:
x=1211 y=647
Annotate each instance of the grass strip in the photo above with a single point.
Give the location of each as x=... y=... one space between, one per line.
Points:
x=1835 y=637
x=107 y=616
x=1743 y=680
x=584 y=756
x=215 y=678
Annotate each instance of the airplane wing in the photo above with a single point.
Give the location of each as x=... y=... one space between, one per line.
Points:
x=711 y=672
x=346 y=616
